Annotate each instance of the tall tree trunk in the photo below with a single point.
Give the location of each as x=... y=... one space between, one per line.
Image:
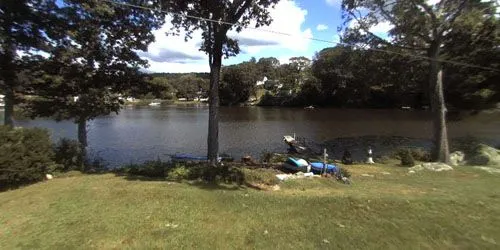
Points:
x=213 y=103
x=9 y=107
x=82 y=139
x=8 y=72
x=440 y=151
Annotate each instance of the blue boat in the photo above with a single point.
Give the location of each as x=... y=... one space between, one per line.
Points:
x=190 y=157
x=302 y=165
x=317 y=168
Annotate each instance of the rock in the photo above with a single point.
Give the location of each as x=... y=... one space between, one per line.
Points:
x=340 y=225
x=457 y=158
x=411 y=171
x=432 y=166
x=484 y=155
x=49 y=176
x=265 y=232
x=326 y=241
x=385 y=173
x=276 y=188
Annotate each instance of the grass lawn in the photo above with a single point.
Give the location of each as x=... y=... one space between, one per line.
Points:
x=449 y=210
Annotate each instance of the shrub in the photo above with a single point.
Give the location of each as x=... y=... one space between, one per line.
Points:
x=420 y=154
x=178 y=173
x=67 y=155
x=345 y=173
x=25 y=156
x=153 y=169
x=407 y=158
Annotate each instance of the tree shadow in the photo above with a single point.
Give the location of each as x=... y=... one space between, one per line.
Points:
x=211 y=186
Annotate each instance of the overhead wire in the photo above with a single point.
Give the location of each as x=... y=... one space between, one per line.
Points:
x=303 y=37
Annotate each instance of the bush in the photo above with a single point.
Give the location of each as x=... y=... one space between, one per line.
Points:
x=407 y=158
x=420 y=154
x=67 y=155
x=179 y=172
x=345 y=173
x=25 y=156
x=155 y=169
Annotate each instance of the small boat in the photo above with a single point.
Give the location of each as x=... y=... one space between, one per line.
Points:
x=294 y=145
x=190 y=157
x=154 y=104
x=296 y=164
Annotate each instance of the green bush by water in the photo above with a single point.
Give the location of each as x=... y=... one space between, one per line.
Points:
x=67 y=154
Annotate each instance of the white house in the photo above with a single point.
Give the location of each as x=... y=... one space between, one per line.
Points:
x=260 y=83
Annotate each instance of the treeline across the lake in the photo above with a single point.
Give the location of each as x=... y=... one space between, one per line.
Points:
x=345 y=77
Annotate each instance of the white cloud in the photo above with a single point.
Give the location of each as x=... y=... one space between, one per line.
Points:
x=321 y=27
x=381 y=28
x=173 y=54
x=433 y=2
x=288 y=18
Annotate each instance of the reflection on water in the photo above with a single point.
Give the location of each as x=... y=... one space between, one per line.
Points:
x=139 y=134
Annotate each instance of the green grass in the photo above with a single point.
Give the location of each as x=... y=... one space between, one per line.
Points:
x=452 y=210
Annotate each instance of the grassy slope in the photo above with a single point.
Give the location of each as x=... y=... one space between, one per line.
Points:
x=459 y=209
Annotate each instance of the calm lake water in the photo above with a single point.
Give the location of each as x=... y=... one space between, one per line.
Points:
x=138 y=134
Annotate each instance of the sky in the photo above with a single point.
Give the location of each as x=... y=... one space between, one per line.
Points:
x=300 y=18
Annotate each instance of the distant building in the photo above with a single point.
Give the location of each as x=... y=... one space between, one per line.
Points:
x=261 y=82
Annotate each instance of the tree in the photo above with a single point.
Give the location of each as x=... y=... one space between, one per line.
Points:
x=23 y=28
x=268 y=67
x=416 y=26
x=94 y=63
x=225 y=14
x=238 y=83
x=188 y=86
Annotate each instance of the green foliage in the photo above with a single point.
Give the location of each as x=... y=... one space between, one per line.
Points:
x=238 y=83
x=106 y=37
x=189 y=86
x=25 y=156
x=406 y=158
x=345 y=172
x=420 y=154
x=179 y=172
x=153 y=169
x=68 y=155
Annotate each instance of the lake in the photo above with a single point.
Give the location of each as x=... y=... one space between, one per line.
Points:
x=147 y=133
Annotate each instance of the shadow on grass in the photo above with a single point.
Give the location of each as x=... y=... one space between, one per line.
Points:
x=216 y=186
x=198 y=183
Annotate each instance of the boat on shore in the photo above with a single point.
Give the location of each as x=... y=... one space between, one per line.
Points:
x=294 y=145
x=154 y=104
x=296 y=164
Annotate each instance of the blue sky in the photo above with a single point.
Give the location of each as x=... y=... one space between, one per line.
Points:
x=300 y=18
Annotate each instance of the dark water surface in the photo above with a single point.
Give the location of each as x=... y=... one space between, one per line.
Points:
x=139 y=134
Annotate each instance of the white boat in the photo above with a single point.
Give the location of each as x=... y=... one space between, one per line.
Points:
x=154 y=104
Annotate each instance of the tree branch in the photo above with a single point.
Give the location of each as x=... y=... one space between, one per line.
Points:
x=428 y=10
x=383 y=41
x=452 y=17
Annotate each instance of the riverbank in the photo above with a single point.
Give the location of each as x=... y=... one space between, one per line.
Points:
x=455 y=209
